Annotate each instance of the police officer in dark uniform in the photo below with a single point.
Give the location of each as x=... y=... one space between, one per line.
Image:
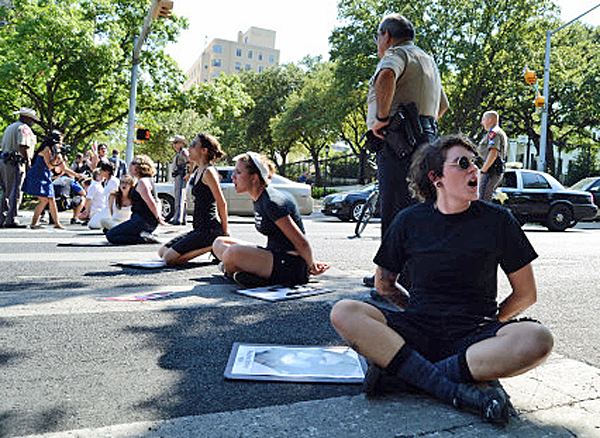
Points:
x=405 y=100
x=18 y=144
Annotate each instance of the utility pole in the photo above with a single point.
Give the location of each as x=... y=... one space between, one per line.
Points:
x=158 y=9
x=544 y=126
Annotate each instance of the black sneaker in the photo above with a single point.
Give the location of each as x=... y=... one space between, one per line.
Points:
x=246 y=279
x=369 y=281
x=489 y=403
x=377 y=383
x=148 y=237
x=496 y=385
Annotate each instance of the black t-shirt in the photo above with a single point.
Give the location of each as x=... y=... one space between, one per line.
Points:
x=271 y=206
x=205 y=206
x=140 y=208
x=453 y=259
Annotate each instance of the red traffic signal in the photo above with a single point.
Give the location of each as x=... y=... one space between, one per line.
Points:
x=142 y=134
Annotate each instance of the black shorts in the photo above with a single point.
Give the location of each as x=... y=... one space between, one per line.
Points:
x=436 y=344
x=288 y=269
x=194 y=240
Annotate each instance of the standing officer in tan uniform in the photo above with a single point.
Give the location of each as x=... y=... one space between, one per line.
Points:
x=180 y=171
x=405 y=74
x=18 y=144
x=492 y=149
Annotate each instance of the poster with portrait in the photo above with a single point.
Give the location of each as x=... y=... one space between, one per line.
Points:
x=281 y=293
x=295 y=363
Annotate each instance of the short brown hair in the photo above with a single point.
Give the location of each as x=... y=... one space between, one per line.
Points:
x=430 y=157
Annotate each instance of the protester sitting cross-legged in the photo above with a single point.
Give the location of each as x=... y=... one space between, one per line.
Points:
x=210 y=208
x=287 y=258
x=119 y=203
x=145 y=210
x=452 y=332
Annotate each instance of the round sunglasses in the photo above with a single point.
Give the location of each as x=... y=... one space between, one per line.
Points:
x=464 y=162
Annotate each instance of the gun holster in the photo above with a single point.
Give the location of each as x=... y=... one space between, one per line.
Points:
x=405 y=131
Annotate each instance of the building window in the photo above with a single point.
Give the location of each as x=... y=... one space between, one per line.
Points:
x=217 y=49
x=260 y=69
x=271 y=59
x=248 y=67
x=249 y=54
x=238 y=52
x=260 y=57
x=216 y=62
x=238 y=65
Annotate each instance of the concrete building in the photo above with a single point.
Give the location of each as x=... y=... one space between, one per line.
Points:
x=253 y=50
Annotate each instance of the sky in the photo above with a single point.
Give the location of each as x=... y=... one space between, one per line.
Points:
x=302 y=28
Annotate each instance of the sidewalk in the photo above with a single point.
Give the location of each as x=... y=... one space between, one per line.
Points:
x=559 y=399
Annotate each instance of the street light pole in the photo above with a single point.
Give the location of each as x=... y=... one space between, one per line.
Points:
x=158 y=8
x=544 y=124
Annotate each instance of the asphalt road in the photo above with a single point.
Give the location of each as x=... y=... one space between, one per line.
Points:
x=69 y=359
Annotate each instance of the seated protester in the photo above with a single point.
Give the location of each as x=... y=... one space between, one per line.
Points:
x=120 y=203
x=110 y=184
x=452 y=333
x=210 y=208
x=287 y=258
x=95 y=199
x=145 y=209
x=69 y=195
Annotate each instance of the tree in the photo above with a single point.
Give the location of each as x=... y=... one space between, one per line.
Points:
x=313 y=114
x=70 y=61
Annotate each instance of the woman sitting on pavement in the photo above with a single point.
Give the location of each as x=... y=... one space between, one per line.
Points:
x=95 y=199
x=210 y=208
x=120 y=204
x=288 y=258
x=38 y=181
x=110 y=183
x=452 y=332
x=145 y=210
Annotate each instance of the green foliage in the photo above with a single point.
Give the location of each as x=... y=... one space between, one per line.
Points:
x=586 y=164
x=70 y=61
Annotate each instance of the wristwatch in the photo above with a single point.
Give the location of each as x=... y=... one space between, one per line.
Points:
x=382 y=119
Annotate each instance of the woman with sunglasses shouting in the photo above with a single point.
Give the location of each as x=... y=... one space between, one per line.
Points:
x=287 y=258
x=452 y=333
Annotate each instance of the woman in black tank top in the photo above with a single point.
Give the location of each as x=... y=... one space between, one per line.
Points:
x=210 y=209
x=145 y=211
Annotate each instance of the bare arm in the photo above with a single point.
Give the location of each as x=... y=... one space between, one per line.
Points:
x=386 y=285
x=144 y=188
x=385 y=86
x=491 y=157
x=524 y=293
x=211 y=179
x=298 y=239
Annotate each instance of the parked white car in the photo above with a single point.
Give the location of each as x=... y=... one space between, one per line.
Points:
x=238 y=204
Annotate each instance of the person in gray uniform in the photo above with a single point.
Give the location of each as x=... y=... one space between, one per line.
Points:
x=179 y=173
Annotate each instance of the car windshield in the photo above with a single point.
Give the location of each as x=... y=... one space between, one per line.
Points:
x=580 y=185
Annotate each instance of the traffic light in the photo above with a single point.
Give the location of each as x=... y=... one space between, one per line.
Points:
x=142 y=134
x=530 y=76
x=540 y=101
x=163 y=9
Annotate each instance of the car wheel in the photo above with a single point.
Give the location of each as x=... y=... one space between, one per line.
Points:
x=356 y=211
x=168 y=206
x=560 y=218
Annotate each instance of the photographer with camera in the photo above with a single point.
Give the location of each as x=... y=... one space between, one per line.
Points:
x=17 y=143
x=180 y=172
x=38 y=181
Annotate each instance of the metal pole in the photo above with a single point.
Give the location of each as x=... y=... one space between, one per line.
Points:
x=544 y=127
x=132 y=103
